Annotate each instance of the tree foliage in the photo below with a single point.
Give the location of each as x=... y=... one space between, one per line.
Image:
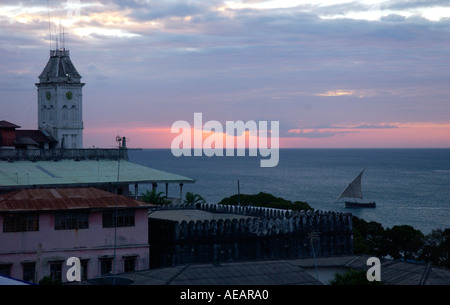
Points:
x=436 y=248
x=47 y=280
x=265 y=200
x=401 y=242
x=368 y=237
x=153 y=197
x=353 y=277
x=404 y=242
x=191 y=198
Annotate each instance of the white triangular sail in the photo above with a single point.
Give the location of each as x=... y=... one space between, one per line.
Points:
x=353 y=190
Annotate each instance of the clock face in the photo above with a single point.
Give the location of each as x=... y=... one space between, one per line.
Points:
x=69 y=95
x=48 y=95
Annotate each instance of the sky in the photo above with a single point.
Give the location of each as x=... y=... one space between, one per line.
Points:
x=334 y=74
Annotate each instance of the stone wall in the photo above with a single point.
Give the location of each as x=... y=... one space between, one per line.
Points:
x=254 y=233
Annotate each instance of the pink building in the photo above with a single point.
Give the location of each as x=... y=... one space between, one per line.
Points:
x=42 y=228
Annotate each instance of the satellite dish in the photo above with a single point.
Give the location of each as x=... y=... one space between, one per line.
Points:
x=118 y=138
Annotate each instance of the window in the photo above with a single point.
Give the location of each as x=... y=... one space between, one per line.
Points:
x=106 y=266
x=71 y=220
x=51 y=116
x=45 y=114
x=84 y=269
x=5 y=269
x=74 y=140
x=73 y=114
x=20 y=222
x=65 y=141
x=56 y=271
x=129 y=263
x=29 y=270
x=125 y=218
x=65 y=113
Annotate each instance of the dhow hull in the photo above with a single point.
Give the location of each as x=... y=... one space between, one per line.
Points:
x=349 y=204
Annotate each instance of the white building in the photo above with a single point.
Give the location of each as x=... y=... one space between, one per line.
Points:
x=60 y=100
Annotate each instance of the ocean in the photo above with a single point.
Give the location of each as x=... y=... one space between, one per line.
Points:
x=410 y=186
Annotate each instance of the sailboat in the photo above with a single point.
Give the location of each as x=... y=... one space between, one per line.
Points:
x=354 y=191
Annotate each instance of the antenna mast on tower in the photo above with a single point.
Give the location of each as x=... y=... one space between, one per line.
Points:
x=49 y=29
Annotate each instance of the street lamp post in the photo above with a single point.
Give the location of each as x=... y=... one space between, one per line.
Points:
x=313 y=235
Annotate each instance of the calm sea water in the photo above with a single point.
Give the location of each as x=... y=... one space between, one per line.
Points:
x=410 y=186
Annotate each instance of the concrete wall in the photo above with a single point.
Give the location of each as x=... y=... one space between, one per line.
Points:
x=7 y=137
x=255 y=233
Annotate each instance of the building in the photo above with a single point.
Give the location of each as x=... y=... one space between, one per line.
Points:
x=60 y=100
x=7 y=134
x=82 y=168
x=59 y=200
x=213 y=233
x=53 y=155
x=10 y=138
x=42 y=228
x=287 y=272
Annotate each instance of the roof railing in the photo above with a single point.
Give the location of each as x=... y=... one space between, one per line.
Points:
x=59 y=52
x=60 y=154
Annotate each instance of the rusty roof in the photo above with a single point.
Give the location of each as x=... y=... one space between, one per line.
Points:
x=6 y=124
x=36 y=135
x=52 y=199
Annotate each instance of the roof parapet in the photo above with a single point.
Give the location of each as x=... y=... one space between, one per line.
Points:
x=60 y=52
x=59 y=154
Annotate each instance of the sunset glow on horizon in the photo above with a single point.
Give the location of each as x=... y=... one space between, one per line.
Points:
x=409 y=135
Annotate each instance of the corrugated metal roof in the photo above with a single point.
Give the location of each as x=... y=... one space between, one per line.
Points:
x=65 y=199
x=281 y=272
x=81 y=173
x=36 y=135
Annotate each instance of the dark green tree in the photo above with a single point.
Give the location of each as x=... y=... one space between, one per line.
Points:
x=265 y=200
x=404 y=242
x=436 y=248
x=153 y=197
x=353 y=277
x=47 y=280
x=368 y=237
x=191 y=198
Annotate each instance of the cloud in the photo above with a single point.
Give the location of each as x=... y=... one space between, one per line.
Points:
x=331 y=130
x=366 y=126
x=337 y=93
x=161 y=61
x=313 y=134
x=357 y=126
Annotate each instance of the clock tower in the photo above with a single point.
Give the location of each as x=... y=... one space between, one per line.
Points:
x=60 y=100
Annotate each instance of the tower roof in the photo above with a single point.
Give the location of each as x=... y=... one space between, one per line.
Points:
x=59 y=68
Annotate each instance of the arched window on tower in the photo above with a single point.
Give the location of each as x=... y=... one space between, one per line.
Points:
x=74 y=141
x=51 y=114
x=65 y=113
x=45 y=113
x=73 y=113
